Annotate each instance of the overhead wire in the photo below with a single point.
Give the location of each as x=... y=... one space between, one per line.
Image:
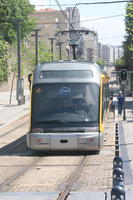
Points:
x=91 y=3
x=64 y=14
x=107 y=38
x=100 y=18
x=89 y=20
x=58 y=4
x=100 y=3
x=103 y=2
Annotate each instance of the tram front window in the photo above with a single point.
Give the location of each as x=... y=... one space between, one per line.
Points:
x=65 y=103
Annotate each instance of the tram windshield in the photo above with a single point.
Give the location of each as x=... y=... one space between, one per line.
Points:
x=75 y=103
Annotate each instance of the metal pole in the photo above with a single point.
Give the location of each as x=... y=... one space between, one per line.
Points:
x=68 y=54
x=74 y=52
x=60 y=50
x=59 y=44
x=52 y=42
x=19 y=96
x=19 y=46
x=124 y=103
x=36 y=43
x=52 y=48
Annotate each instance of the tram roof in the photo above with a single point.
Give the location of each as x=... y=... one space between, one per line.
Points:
x=67 y=66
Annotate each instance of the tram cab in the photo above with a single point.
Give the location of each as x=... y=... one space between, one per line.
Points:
x=66 y=107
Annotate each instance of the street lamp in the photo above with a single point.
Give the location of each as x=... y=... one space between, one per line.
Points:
x=59 y=44
x=36 y=44
x=52 y=42
x=20 y=81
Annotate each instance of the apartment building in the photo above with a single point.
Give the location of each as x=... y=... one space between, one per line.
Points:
x=91 y=46
x=110 y=53
x=60 y=28
x=50 y=22
x=55 y=26
x=118 y=52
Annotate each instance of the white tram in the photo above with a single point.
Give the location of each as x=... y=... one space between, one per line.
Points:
x=66 y=107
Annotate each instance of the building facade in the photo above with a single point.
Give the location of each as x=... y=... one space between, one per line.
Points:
x=63 y=29
x=50 y=22
x=110 y=54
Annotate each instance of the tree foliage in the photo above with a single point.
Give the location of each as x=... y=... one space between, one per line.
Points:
x=44 y=53
x=3 y=59
x=28 y=58
x=13 y=12
x=120 y=61
x=128 y=44
x=10 y=12
x=101 y=63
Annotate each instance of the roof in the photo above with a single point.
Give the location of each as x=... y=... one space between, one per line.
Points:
x=54 y=67
x=67 y=65
x=45 y=10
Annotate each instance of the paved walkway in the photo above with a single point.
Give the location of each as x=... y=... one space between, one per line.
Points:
x=125 y=130
x=9 y=108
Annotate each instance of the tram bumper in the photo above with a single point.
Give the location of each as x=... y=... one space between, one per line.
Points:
x=73 y=142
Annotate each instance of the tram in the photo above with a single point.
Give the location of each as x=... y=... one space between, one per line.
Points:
x=67 y=107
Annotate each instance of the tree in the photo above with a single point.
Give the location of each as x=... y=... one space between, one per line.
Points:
x=128 y=44
x=3 y=59
x=120 y=61
x=28 y=57
x=10 y=12
x=44 y=53
x=101 y=63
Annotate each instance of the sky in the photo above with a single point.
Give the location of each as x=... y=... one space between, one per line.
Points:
x=111 y=29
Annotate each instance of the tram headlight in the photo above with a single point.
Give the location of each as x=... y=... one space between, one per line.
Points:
x=91 y=140
x=37 y=130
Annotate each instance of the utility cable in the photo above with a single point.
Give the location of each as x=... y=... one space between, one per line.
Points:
x=107 y=38
x=66 y=5
x=64 y=14
x=100 y=3
x=100 y=18
x=58 y=4
x=94 y=19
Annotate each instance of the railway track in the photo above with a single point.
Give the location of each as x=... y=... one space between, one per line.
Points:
x=6 y=185
x=72 y=180
x=12 y=146
x=13 y=129
x=26 y=167
x=17 y=124
x=12 y=135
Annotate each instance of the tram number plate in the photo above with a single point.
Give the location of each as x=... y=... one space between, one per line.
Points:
x=63 y=141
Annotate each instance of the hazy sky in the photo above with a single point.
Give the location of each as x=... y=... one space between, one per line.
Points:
x=110 y=30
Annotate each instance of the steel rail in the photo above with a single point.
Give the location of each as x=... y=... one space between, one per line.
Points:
x=72 y=180
x=6 y=185
x=10 y=146
x=15 y=127
x=7 y=148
